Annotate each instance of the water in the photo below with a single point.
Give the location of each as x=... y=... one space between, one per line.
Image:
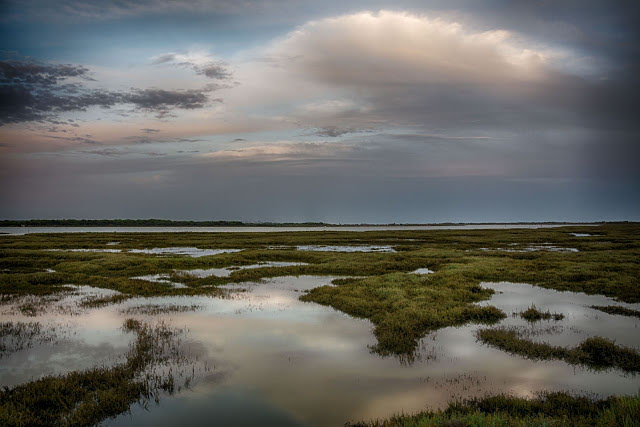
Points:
x=192 y=252
x=423 y=271
x=515 y=247
x=189 y=251
x=226 y=271
x=279 y=361
x=28 y=230
x=350 y=248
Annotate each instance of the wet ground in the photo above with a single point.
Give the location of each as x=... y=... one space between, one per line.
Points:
x=274 y=360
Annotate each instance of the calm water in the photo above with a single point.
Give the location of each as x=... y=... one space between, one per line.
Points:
x=278 y=361
x=27 y=230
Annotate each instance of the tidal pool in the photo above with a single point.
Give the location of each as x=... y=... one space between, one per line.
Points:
x=274 y=360
x=423 y=271
x=226 y=271
x=192 y=252
x=514 y=247
x=350 y=248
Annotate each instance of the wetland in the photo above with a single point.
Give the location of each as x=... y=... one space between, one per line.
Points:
x=529 y=326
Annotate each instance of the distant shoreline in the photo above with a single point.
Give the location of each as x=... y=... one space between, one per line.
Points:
x=172 y=223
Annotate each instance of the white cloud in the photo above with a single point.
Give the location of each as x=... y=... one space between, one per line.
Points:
x=279 y=151
x=400 y=48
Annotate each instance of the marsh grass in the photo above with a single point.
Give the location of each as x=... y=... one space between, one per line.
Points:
x=34 y=305
x=532 y=314
x=595 y=352
x=154 y=309
x=97 y=302
x=605 y=264
x=618 y=310
x=403 y=307
x=546 y=409
x=17 y=336
x=88 y=397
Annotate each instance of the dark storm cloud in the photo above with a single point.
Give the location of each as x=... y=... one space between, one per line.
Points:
x=40 y=92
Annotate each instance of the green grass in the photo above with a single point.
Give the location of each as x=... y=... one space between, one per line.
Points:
x=618 y=310
x=404 y=306
x=154 y=309
x=532 y=314
x=88 y=397
x=595 y=352
x=97 y=302
x=608 y=263
x=546 y=409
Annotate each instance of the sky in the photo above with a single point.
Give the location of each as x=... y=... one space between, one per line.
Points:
x=335 y=111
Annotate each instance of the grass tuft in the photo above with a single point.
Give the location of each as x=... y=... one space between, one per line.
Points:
x=532 y=314
x=595 y=352
x=546 y=409
x=404 y=307
x=616 y=309
x=88 y=397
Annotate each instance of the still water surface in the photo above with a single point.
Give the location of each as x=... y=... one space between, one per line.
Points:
x=275 y=360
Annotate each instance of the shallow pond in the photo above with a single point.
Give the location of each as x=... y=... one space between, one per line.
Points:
x=278 y=361
x=345 y=248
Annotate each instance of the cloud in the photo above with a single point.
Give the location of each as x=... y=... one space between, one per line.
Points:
x=32 y=73
x=281 y=151
x=395 y=48
x=41 y=92
x=108 y=9
x=80 y=139
x=396 y=69
x=114 y=152
x=335 y=131
x=200 y=62
x=161 y=100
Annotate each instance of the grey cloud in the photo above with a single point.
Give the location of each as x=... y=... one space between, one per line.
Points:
x=374 y=183
x=211 y=69
x=163 y=59
x=113 y=9
x=163 y=100
x=453 y=78
x=114 y=152
x=32 y=73
x=150 y=131
x=35 y=92
x=214 y=71
x=335 y=131
x=82 y=139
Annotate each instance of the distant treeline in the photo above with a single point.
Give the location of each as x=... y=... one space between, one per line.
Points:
x=143 y=223
x=172 y=223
